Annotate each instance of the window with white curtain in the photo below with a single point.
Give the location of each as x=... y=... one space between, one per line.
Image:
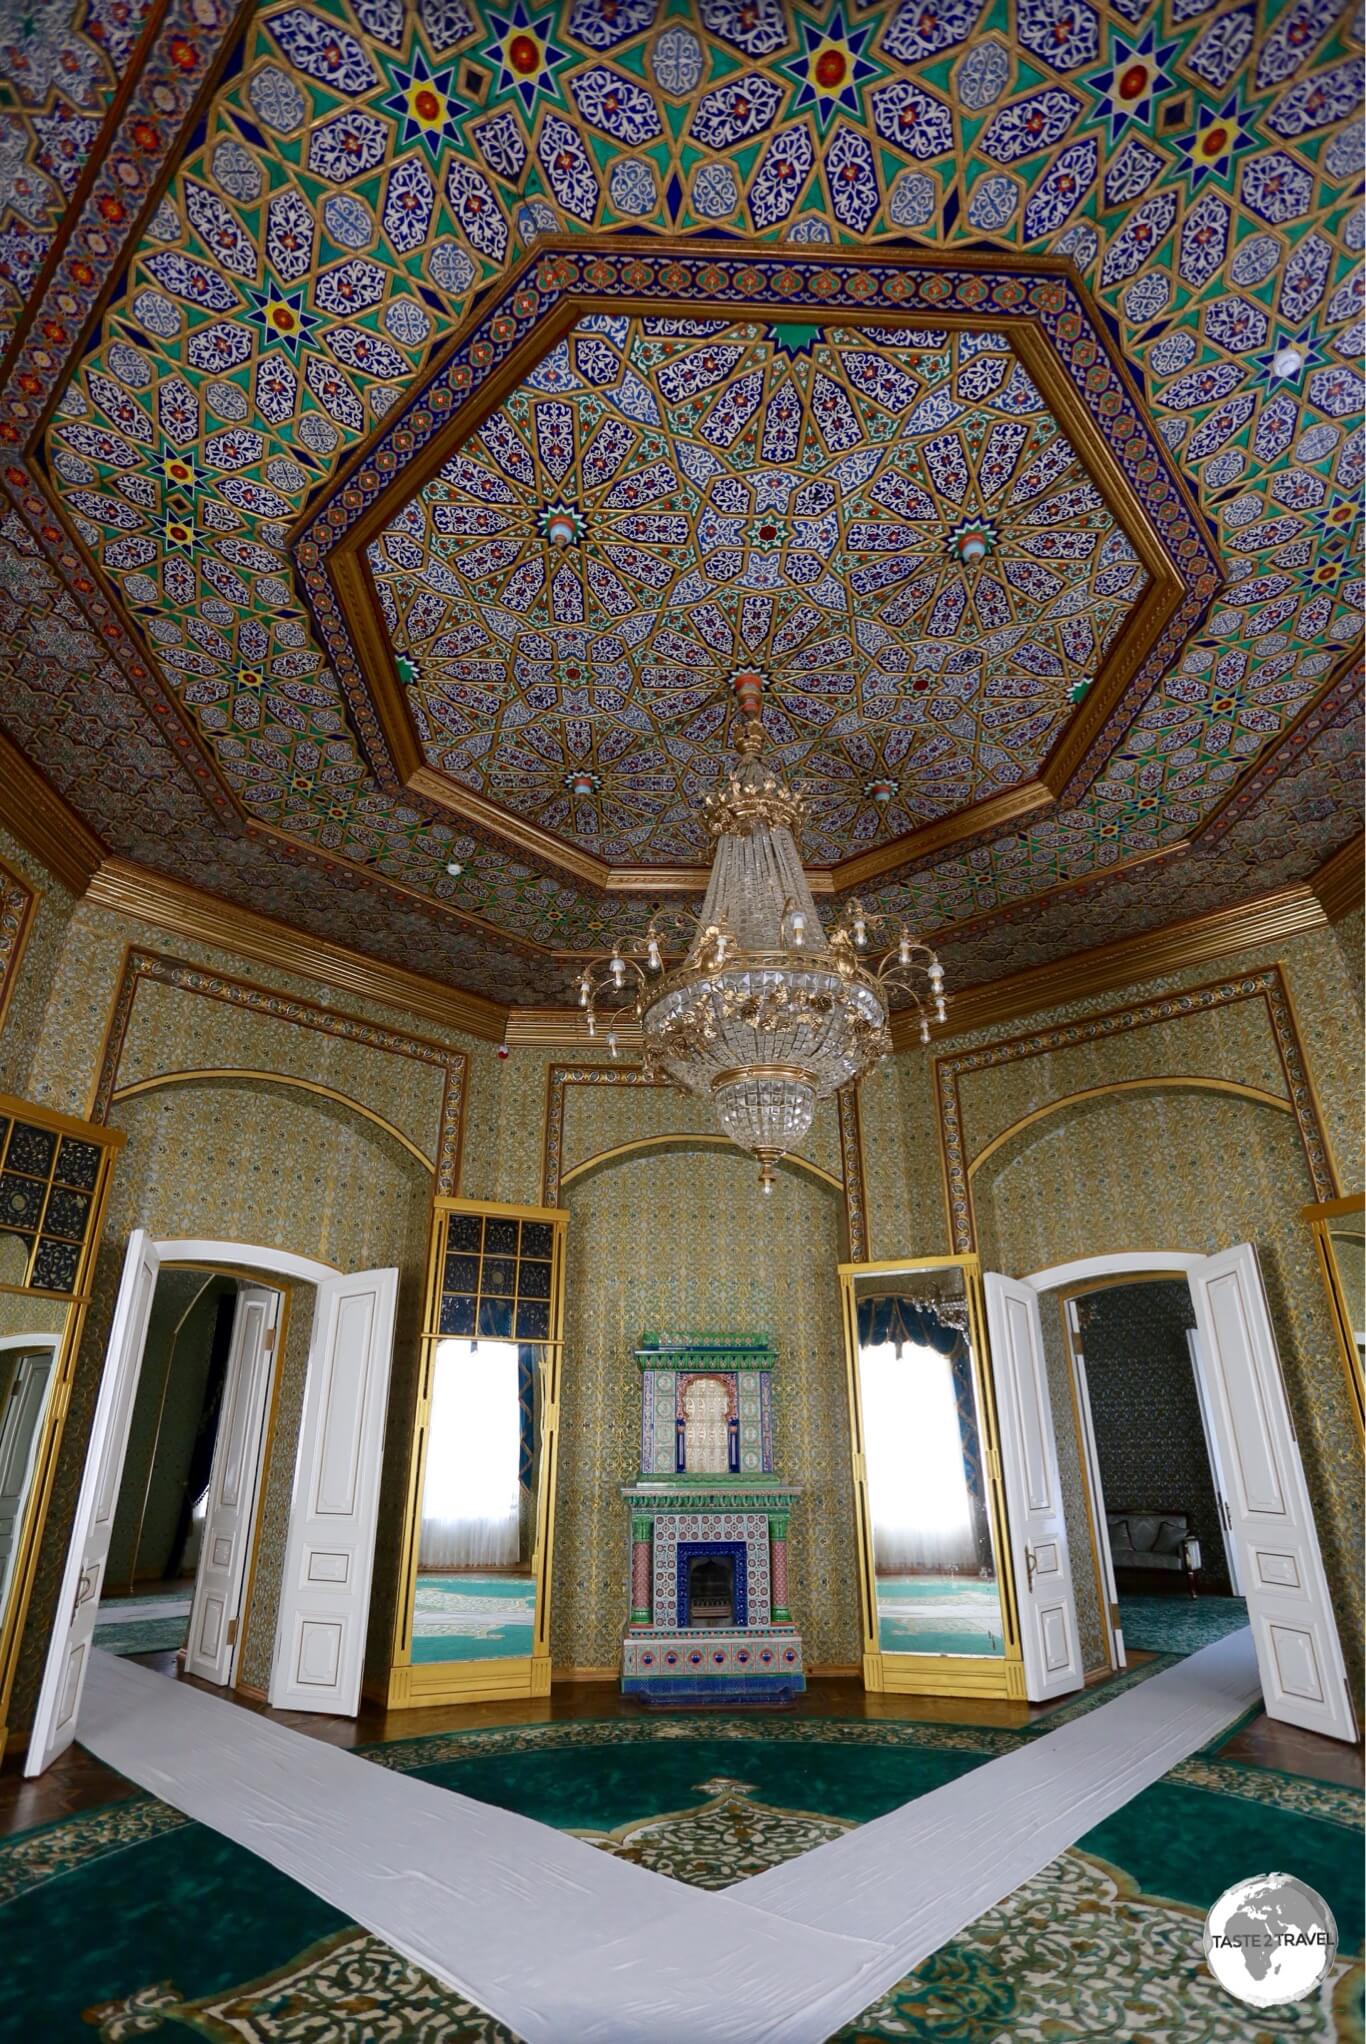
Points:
x=917 y=1485
x=469 y=1496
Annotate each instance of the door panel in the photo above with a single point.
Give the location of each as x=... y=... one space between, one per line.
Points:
x=20 y=1428
x=233 y=1480
x=1029 y=1466
x=59 y=1698
x=325 y=1598
x=1266 y=1506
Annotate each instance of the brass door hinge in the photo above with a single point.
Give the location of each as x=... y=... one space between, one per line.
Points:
x=232 y=1632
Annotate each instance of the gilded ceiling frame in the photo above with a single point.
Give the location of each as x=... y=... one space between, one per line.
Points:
x=1039 y=300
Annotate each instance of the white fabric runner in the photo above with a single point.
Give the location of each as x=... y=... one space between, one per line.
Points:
x=562 y=1942
x=134 y=1609
x=568 y=1945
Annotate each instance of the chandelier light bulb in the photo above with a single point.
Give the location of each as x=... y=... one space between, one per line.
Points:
x=1288 y=362
x=939 y=1009
x=768 y=1012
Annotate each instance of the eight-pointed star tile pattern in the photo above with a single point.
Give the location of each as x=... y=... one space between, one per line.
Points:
x=789 y=498
x=1224 y=225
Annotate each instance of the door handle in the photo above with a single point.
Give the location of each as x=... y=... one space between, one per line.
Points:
x=85 y=1588
x=1030 y=1565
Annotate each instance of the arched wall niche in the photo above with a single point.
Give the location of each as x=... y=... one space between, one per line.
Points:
x=678 y=1235
x=1171 y=1166
x=251 y=1159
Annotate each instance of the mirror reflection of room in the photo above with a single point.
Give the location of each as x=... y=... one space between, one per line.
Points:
x=475 y=1597
x=937 y=1587
x=1349 y=1256
x=30 y=1347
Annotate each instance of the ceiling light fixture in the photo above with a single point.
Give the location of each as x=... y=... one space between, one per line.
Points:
x=766 y=1014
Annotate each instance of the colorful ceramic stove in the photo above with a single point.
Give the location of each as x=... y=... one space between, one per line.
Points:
x=710 y=1621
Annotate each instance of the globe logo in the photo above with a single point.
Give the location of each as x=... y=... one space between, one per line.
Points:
x=1270 y=1941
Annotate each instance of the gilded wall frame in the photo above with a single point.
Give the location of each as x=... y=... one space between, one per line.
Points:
x=932 y=1674
x=1321 y=1216
x=415 y=1684
x=28 y=1544
x=1265 y=984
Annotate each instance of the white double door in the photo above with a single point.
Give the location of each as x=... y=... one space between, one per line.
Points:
x=325 y=1594
x=1268 y=1521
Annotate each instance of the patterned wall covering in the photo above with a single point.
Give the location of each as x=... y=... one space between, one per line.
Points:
x=646 y=1249
x=30 y=963
x=1149 y=1437
x=244 y=1163
x=363 y=172
x=1197 y=1171
x=1087 y=1582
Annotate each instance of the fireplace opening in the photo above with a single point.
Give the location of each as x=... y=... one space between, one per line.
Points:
x=711 y=1590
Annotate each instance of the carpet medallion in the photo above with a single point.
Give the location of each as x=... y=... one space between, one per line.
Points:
x=132 y=1922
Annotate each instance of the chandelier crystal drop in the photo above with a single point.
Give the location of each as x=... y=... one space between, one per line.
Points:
x=765 y=1014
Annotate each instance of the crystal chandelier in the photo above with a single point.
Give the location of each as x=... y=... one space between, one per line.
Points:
x=765 y=1014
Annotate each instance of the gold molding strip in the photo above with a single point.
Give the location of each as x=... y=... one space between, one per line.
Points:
x=1124 y=963
x=190 y=912
x=689 y=1140
x=190 y=1074
x=44 y=822
x=1257 y=1093
x=1340 y=883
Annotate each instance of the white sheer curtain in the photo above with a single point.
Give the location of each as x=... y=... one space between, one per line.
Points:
x=917 y=1486
x=469 y=1497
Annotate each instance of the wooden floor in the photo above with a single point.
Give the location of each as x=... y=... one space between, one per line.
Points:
x=77 y=1781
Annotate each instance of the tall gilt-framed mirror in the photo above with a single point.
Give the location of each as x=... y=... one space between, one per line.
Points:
x=474 y=1605
x=1339 y=1230
x=936 y=1595
x=54 y=1178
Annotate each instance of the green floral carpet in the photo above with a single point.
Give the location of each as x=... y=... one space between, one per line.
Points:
x=1179 y=1625
x=132 y=1923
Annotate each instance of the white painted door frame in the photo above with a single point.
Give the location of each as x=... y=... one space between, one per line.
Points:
x=1249 y=1421
x=59 y=1695
x=1095 y=1491
x=1044 y=1597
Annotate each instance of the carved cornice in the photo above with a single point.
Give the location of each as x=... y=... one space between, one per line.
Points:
x=190 y=912
x=1128 y=960
x=44 y=822
x=1340 y=883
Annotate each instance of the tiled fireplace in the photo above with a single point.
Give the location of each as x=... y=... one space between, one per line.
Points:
x=710 y=1621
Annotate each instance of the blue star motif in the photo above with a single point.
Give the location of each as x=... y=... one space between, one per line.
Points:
x=1212 y=147
x=526 y=53
x=424 y=103
x=1128 y=89
x=831 y=68
x=281 y=317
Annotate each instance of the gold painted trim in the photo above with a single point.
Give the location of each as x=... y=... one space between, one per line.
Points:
x=407 y=1682
x=29 y=1541
x=688 y=1140
x=347 y=564
x=1320 y=1217
x=942 y=1674
x=25 y=918
x=1256 y=1093
x=191 y=1074
x=1264 y=983
x=1340 y=883
x=44 y=823
x=1126 y=962
x=190 y=912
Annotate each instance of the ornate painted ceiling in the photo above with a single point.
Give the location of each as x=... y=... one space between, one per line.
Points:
x=714 y=284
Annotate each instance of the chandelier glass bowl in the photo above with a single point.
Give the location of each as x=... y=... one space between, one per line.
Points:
x=765 y=1014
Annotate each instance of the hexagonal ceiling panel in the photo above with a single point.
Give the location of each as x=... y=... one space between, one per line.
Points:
x=662 y=501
